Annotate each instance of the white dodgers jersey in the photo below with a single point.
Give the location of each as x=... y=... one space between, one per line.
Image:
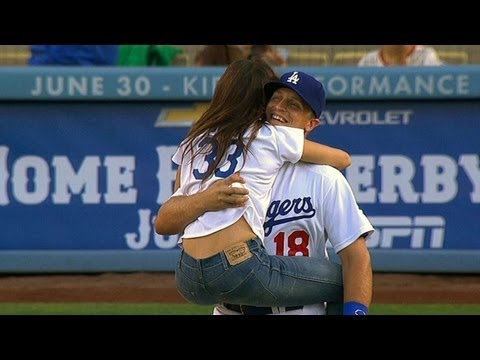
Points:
x=310 y=205
x=272 y=147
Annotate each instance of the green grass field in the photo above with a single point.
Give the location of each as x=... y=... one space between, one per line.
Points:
x=186 y=309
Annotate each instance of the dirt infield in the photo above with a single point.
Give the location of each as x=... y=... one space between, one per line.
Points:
x=160 y=287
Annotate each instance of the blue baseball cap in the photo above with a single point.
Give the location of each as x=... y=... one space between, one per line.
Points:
x=306 y=86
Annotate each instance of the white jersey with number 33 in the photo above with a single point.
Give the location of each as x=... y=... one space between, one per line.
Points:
x=273 y=146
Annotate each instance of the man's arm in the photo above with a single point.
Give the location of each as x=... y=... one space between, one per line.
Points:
x=179 y=211
x=357 y=273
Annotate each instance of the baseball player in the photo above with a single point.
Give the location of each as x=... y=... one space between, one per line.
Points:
x=310 y=205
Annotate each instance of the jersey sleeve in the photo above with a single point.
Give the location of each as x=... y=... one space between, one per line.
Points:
x=345 y=222
x=177 y=156
x=290 y=143
x=179 y=192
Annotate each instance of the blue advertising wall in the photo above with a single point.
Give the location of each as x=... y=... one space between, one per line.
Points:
x=85 y=163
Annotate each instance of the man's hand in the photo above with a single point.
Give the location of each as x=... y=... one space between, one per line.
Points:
x=221 y=194
x=179 y=211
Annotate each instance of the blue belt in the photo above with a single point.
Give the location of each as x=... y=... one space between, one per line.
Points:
x=257 y=310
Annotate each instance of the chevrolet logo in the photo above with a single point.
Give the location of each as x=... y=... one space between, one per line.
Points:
x=181 y=116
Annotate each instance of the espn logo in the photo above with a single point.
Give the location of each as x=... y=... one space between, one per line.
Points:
x=417 y=232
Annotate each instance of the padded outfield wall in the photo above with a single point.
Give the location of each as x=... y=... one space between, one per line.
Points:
x=85 y=163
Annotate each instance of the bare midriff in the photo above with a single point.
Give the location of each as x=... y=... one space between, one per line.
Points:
x=206 y=246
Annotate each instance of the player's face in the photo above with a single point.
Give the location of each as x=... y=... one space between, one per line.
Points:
x=287 y=108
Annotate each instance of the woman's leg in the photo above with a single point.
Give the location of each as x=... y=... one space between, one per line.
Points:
x=188 y=278
x=266 y=280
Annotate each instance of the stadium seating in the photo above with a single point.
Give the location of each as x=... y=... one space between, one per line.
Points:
x=307 y=55
x=315 y=58
x=15 y=58
x=453 y=57
x=182 y=59
x=348 y=58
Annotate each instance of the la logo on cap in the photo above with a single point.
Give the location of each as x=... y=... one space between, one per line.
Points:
x=294 y=78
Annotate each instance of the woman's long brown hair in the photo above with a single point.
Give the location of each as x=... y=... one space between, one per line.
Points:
x=238 y=103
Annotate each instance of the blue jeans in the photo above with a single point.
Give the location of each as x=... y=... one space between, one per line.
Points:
x=261 y=280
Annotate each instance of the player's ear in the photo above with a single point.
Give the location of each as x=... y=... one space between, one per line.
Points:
x=312 y=124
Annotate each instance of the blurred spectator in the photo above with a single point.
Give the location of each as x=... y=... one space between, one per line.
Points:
x=219 y=55
x=401 y=55
x=102 y=55
x=267 y=53
x=148 y=55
